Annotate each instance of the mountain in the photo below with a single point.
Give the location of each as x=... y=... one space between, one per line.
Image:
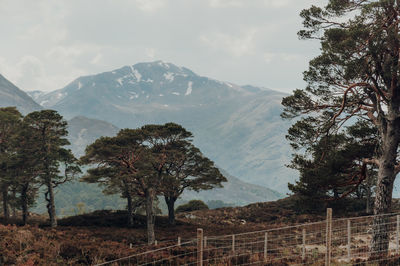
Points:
x=83 y=131
x=238 y=127
x=10 y=95
x=244 y=193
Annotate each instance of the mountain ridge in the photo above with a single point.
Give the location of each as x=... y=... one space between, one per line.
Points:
x=237 y=127
x=11 y=95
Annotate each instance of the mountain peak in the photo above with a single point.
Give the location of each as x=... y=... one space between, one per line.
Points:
x=163 y=66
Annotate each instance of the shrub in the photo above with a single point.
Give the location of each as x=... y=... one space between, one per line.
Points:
x=215 y=204
x=192 y=205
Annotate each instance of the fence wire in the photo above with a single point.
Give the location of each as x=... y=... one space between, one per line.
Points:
x=336 y=241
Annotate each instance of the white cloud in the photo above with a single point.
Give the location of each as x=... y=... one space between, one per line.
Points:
x=150 y=52
x=62 y=53
x=96 y=59
x=278 y=3
x=9 y=70
x=225 y=3
x=252 y=3
x=239 y=45
x=286 y=57
x=150 y=5
x=229 y=40
x=28 y=70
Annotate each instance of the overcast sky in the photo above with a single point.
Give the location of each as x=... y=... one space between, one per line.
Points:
x=46 y=44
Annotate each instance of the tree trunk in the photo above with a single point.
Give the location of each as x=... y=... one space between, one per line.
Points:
x=368 y=203
x=24 y=204
x=13 y=207
x=171 y=210
x=150 y=194
x=384 y=189
x=130 y=209
x=6 y=213
x=51 y=209
x=368 y=196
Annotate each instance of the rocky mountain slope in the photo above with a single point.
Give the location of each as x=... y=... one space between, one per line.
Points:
x=10 y=95
x=237 y=127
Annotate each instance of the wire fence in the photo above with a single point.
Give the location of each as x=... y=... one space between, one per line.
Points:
x=333 y=241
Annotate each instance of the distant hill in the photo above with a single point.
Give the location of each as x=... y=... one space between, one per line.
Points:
x=238 y=127
x=235 y=192
x=83 y=131
x=10 y=95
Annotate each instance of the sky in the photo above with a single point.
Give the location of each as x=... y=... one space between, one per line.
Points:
x=46 y=44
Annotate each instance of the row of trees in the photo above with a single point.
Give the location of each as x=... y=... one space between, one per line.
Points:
x=139 y=164
x=151 y=161
x=32 y=155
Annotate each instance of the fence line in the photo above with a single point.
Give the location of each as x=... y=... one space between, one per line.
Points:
x=344 y=240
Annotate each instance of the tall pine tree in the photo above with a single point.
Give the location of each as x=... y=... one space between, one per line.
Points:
x=356 y=74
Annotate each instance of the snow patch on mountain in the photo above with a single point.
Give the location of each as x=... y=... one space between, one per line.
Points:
x=163 y=64
x=133 y=96
x=230 y=85
x=136 y=73
x=169 y=76
x=119 y=80
x=189 y=88
x=176 y=93
x=79 y=85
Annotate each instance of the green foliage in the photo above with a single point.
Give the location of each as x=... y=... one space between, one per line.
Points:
x=193 y=205
x=10 y=120
x=187 y=168
x=332 y=168
x=356 y=77
x=32 y=155
x=149 y=161
x=48 y=131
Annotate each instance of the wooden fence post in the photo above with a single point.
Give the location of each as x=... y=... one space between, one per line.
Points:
x=205 y=241
x=328 y=237
x=179 y=241
x=265 y=246
x=303 y=255
x=397 y=233
x=349 y=239
x=199 y=247
x=233 y=242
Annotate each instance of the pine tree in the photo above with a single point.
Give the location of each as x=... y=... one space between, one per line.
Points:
x=356 y=74
x=10 y=120
x=187 y=168
x=120 y=165
x=332 y=169
x=48 y=130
